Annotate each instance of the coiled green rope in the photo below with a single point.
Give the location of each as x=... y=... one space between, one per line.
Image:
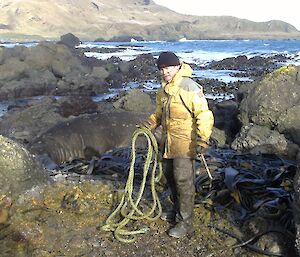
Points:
x=128 y=207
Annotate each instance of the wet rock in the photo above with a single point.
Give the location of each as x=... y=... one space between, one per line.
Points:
x=18 y=169
x=272 y=242
x=273 y=103
x=66 y=70
x=25 y=122
x=12 y=69
x=144 y=66
x=40 y=57
x=289 y=124
x=296 y=206
x=62 y=70
x=225 y=115
x=100 y=72
x=69 y=40
x=33 y=84
x=69 y=106
x=255 y=66
x=271 y=97
x=219 y=137
x=260 y=139
x=135 y=100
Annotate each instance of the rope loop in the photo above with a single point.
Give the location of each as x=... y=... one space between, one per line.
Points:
x=128 y=207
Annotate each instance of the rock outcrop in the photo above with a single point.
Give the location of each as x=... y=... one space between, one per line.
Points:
x=60 y=69
x=270 y=114
x=46 y=69
x=18 y=169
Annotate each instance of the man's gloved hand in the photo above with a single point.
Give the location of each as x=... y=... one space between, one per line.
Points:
x=144 y=124
x=202 y=147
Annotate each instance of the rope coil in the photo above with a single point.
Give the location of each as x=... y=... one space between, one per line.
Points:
x=128 y=207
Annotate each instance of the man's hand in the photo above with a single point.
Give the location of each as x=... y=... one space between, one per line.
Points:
x=202 y=147
x=144 y=124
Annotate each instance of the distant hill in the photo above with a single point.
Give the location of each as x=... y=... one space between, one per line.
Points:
x=110 y=19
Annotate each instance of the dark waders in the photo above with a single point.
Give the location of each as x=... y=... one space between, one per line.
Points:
x=180 y=176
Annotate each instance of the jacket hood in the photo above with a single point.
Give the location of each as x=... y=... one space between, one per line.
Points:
x=184 y=71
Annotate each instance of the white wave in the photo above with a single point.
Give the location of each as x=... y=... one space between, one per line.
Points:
x=12 y=45
x=126 y=55
x=220 y=97
x=105 y=96
x=226 y=76
x=203 y=57
x=95 y=45
x=182 y=39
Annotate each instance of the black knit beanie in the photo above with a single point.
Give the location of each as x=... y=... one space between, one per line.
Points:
x=166 y=59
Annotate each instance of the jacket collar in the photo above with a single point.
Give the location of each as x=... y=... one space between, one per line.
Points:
x=172 y=87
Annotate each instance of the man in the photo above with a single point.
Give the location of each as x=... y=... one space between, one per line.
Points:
x=182 y=110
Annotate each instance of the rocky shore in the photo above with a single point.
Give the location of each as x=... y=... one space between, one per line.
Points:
x=262 y=120
x=61 y=76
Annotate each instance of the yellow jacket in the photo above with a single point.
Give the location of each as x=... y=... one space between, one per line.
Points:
x=182 y=110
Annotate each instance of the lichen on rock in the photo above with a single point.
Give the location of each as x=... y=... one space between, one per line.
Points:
x=19 y=171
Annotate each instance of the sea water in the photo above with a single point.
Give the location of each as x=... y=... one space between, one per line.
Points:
x=200 y=52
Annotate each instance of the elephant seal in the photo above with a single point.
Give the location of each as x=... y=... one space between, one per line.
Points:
x=85 y=136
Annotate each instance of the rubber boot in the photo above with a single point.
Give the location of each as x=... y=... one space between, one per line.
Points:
x=170 y=213
x=184 y=178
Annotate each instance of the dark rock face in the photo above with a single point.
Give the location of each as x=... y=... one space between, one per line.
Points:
x=22 y=123
x=47 y=69
x=135 y=100
x=256 y=66
x=18 y=169
x=58 y=69
x=70 y=106
x=69 y=40
x=225 y=115
x=142 y=68
x=272 y=104
x=296 y=206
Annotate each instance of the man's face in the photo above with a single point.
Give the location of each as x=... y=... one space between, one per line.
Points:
x=169 y=72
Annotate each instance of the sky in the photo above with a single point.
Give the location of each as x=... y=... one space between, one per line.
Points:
x=254 y=10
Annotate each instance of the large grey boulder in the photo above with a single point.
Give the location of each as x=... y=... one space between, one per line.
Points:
x=260 y=139
x=23 y=124
x=47 y=69
x=135 y=100
x=273 y=104
x=12 y=68
x=69 y=40
x=18 y=169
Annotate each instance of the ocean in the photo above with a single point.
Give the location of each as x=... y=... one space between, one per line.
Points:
x=200 y=52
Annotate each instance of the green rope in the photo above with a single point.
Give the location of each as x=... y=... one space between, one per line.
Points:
x=128 y=207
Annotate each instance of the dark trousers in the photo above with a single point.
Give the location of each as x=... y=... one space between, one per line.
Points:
x=180 y=178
